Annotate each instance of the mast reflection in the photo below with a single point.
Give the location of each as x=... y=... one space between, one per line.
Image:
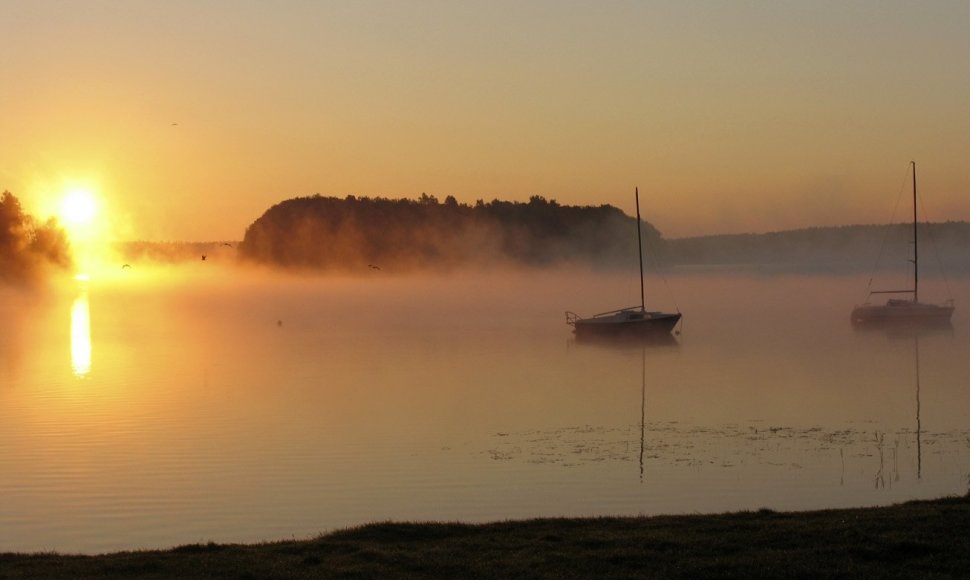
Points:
x=643 y=403
x=919 y=427
x=625 y=342
x=81 y=335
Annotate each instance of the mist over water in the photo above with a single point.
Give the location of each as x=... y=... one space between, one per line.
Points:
x=168 y=406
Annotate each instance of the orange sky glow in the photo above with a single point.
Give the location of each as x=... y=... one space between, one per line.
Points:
x=189 y=119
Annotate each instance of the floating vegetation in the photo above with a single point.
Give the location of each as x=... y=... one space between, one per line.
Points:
x=728 y=446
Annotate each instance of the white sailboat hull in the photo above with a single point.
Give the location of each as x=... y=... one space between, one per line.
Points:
x=902 y=312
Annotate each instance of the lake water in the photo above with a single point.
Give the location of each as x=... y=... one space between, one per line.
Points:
x=161 y=408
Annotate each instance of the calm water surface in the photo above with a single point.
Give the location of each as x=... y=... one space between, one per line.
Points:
x=155 y=409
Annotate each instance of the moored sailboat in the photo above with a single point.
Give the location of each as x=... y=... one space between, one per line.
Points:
x=901 y=310
x=630 y=322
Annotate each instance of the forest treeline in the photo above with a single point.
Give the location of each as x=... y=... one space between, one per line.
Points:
x=27 y=247
x=943 y=246
x=356 y=233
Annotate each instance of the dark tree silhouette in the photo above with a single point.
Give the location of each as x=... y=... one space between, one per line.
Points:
x=327 y=233
x=27 y=248
x=347 y=234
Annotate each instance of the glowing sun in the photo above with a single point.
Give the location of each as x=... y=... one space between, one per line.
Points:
x=79 y=207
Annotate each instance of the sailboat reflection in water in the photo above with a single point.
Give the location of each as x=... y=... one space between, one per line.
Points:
x=919 y=426
x=643 y=405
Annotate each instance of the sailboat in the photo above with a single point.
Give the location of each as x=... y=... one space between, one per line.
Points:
x=901 y=310
x=630 y=322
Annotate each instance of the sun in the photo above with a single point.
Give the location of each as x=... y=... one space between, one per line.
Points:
x=81 y=214
x=79 y=207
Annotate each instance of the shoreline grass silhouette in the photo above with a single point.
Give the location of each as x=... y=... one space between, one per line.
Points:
x=917 y=539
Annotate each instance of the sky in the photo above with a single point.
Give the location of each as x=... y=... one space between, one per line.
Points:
x=188 y=119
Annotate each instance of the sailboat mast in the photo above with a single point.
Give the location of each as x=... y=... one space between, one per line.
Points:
x=636 y=192
x=915 y=243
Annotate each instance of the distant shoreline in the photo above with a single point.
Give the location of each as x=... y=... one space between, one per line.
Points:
x=918 y=539
x=840 y=249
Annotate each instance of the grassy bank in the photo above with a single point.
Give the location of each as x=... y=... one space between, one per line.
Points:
x=926 y=539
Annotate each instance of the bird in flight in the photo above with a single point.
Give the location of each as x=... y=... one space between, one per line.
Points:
x=126 y=266
x=373 y=267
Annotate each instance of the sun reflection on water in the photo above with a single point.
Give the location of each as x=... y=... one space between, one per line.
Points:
x=81 y=335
